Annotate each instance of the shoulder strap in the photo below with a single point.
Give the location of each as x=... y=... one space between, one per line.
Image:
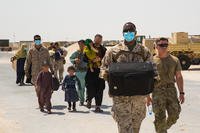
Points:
x=143 y=53
x=121 y=52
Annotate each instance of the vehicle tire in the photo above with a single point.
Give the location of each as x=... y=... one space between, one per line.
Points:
x=185 y=61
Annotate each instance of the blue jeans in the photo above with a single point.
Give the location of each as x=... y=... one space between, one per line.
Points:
x=81 y=92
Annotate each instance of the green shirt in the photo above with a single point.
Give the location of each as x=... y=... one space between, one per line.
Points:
x=167 y=68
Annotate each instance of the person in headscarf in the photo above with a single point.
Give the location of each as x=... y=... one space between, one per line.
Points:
x=81 y=69
x=20 y=56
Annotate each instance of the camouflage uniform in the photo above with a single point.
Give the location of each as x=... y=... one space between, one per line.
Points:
x=52 y=57
x=59 y=66
x=35 y=59
x=128 y=111
x=165 y=94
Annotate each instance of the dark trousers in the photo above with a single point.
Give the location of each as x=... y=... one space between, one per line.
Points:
x=20 y=70
x=28 y=80
x=95 y=86
x=44 y=98
x=70 y=105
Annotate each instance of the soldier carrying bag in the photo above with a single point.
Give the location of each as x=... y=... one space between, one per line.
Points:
x=129 y=79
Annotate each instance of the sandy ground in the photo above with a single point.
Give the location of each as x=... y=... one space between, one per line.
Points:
x=19 y=109
x=8 y=126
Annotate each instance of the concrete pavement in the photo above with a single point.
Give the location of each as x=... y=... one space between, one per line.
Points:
x=18 y=105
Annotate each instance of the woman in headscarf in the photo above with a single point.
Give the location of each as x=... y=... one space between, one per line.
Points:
x=20 y=56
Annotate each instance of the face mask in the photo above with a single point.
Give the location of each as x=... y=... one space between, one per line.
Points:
x=37 y=42
x=129 y=36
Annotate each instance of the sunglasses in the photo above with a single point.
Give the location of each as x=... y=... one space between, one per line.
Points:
x=163 y=45
x=128 y=30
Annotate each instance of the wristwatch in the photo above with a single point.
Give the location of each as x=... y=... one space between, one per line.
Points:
x=182 y=93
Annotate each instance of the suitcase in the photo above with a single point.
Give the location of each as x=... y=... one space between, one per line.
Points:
x=129 y=79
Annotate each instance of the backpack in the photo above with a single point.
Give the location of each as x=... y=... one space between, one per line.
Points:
x=58 y=54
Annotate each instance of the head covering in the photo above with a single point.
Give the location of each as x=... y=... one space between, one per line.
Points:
x=129 y=26
x=57 y=44
x=22 y=52
x=87 y=43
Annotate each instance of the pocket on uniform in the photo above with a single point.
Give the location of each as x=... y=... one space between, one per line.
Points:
x=157 y=103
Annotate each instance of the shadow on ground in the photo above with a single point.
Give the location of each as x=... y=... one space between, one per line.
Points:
x=103 y=113
x=59 y=107
x=194 y=69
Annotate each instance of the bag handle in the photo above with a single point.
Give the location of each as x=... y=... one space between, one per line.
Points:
x=132 y=74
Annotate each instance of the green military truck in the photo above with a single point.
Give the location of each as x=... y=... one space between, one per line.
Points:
x=4 y=45
x=185 y=47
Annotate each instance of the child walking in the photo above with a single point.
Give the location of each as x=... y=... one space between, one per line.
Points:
x=69 y=86
x=44 y=88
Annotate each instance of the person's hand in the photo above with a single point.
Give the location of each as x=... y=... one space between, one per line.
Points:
x=148 y=100
x=12 y=59
x=28 y=76
x=97 y=59
x=103 y=75
x=181 y=98
x=37 y=87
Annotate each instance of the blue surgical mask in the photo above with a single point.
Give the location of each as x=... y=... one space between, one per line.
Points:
x=37 y=42
x=129 y=36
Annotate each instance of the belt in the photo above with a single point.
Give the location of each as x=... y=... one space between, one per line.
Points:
x=168 y=85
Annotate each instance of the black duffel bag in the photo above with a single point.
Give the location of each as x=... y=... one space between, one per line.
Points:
x=130 y=79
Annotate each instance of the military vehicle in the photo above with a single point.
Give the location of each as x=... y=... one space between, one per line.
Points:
x=185 y=47
x=4 y=45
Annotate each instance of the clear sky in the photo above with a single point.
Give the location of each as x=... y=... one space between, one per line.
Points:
x=76 y=19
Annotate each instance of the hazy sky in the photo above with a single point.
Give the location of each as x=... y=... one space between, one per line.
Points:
x=77 y=19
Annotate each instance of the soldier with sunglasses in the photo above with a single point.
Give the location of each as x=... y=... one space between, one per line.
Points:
x=164 y=97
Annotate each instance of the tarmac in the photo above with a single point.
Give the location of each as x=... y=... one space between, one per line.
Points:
x=19 y=111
